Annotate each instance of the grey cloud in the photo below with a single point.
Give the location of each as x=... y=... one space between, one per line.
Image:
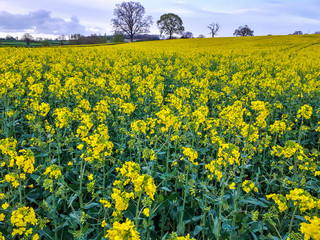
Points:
x=41 y=22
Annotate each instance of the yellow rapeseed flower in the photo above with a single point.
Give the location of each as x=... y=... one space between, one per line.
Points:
x=5 y=205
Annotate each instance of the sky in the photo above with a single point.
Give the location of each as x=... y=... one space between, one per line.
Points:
x=43 y=18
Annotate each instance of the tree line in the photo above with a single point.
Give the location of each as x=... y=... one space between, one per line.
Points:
x=129 y=19
x=73 y=39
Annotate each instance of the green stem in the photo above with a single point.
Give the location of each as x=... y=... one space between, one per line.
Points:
x=82 y=168
x=104 y=178
x=163 y=220
x=6 y=130
x=204 y=218
x=184 y=198
x=104 y=218
x=54 y=216
x=149 y=224
x=221 y=200
x=168 y=153
x=272 y=160
x=239 y=186
x=299 y=136
x=291 y=221
x=20 y=191
x=137 y=213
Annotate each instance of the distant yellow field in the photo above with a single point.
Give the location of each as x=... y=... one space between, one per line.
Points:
x=237 y=44
x=172 y=139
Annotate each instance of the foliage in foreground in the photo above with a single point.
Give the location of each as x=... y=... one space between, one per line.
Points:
x=181 y=140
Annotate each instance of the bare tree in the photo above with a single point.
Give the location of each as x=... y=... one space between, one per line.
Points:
x=201 y=36
x=75 y=38
x=214 y=28
x=39 y=39
x=61 y=38
x=8 y=37
x=27 y=37
x=129 y=19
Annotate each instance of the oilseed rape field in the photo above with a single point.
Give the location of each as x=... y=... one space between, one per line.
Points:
x=177 y=139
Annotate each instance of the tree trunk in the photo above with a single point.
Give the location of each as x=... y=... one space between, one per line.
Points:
x=131 y=38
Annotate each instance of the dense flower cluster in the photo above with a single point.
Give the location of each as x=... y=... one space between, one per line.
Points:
x=22 y=219
x=279 y=200
x=248 y=185
x=125 y=230
x=303 y=199
x=305 y=111
x=190 y=154
x=311 y=229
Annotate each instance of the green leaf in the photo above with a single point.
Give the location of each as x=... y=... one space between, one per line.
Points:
x=46 y=232
x=42 y=155
x=255 y=201
x=196 y=218
x=34 y=176
x=164 y=202
x=254 y=236
x=62 y=225
x=91 y=205
x=216 y=228
x=227 y=226
x=74 y=197
x=197 y=229
x=165 y=189
x=181 y=228
x=255 y=227
x=85 y=228
x=76 y=216
x=165 y=236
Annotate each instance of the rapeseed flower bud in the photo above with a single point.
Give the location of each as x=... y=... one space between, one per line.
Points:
x=105 y=203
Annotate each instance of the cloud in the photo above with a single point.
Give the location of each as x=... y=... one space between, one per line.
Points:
x=181 y=11
x=231 y=12
x=39 y=21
